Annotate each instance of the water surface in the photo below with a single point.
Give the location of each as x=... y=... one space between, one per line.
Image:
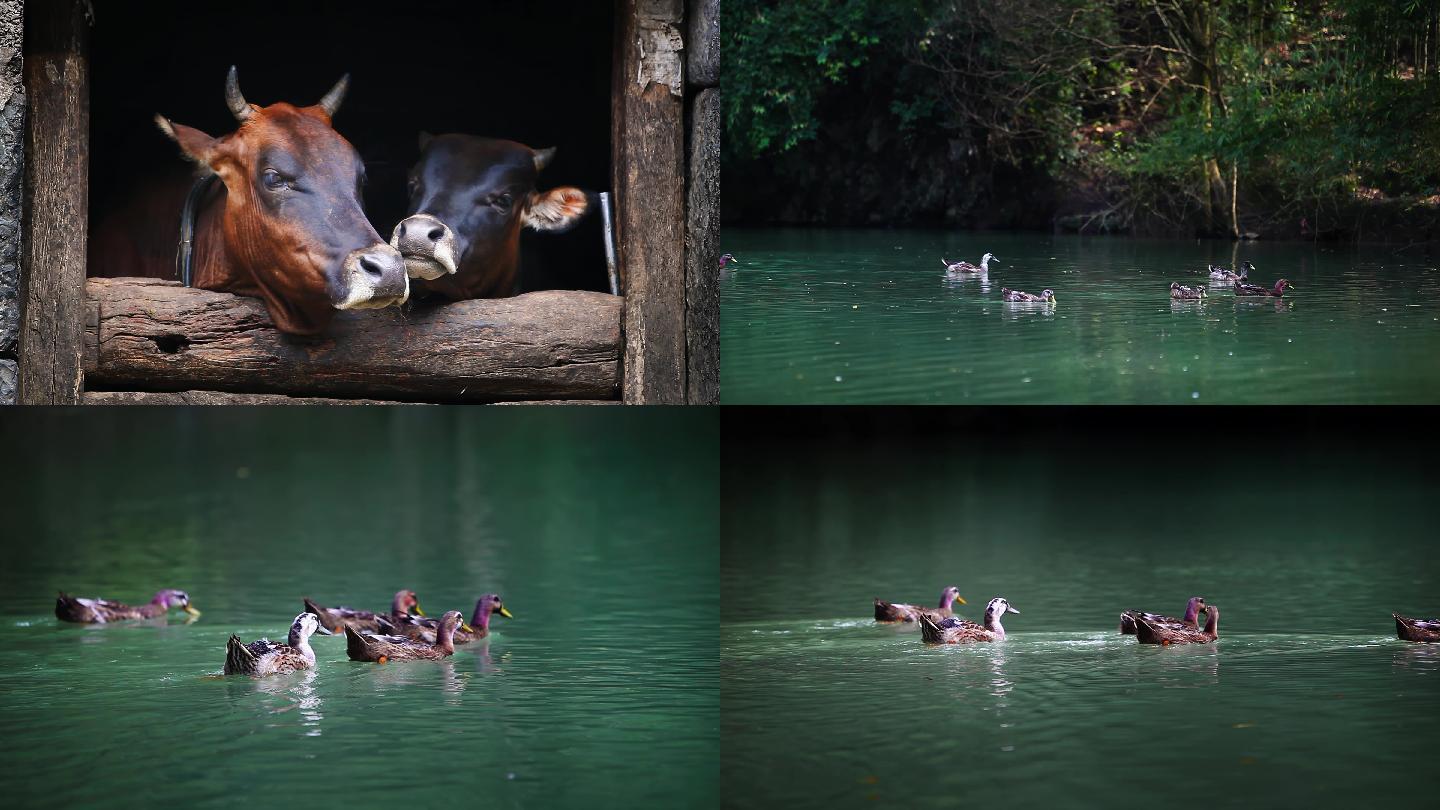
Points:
x=854 y=316
x=596 y=527
x=1307 y=700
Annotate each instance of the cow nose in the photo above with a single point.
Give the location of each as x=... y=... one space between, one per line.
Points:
x=375 y=277
x=428 y=245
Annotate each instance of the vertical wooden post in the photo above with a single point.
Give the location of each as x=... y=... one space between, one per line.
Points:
x=702 y=216
x=12 y=163
x=648 y=120
x=57 y=185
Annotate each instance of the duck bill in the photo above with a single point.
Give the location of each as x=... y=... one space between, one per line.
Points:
x=419 y=612
x=191 y=610
x=505 y=613
x=961 y=600
x=1009 y=609
x=467 y=628
x=323 y=630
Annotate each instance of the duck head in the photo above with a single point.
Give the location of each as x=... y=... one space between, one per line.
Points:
x=1048 y=295
x=950 y=596
x=305 y=625
x=172 y=598
x=727 y=259
x=1245 y=268
x=406 y=602
x=1194 y=607
x=1282 y=285
x=998 y=607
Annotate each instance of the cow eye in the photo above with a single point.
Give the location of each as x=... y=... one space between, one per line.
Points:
x=273 y=180
x=502 y=201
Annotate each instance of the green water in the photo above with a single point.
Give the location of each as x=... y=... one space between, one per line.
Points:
x=844 y=316
x=1307 y=699
x=597 y=526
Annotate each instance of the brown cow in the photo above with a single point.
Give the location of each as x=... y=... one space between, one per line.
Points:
x=285 y=223
x=469 y=198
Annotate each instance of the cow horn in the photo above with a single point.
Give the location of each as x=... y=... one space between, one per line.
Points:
x=543 y=158
x=236 y=102
x=331 y=100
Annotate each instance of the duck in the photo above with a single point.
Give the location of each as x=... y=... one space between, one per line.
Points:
x=337 y=618
x=728 y=259
x=1148 y=632
x=957 y=268
x=900 y=612
x=266 y=657
x=1417 y=629
x=84 y=610
x=1218 y=273
x=1191 y=620
x=421 y=629
x=1018 y=297
x=383 y=648
x=1256 y=291
x=936 y=630
x=1179 y=291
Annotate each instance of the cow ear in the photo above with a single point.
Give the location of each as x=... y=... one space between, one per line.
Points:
x=196 y=145
x=556 y=209
x=543 y=158
x=425 y=139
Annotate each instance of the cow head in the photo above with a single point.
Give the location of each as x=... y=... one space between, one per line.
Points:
x=293 y=225
x=469 y=198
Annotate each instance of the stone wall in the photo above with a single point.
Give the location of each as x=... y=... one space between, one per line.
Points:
x=12 y=150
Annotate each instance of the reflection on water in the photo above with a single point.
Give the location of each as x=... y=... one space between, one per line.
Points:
x=838 y=316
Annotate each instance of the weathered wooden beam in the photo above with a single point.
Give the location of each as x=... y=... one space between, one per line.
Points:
x=215 y=398
x=702 y=252
x=702 y=43
x=12 y=164
x=148 y=334
x=57 y=183
x=648 y=119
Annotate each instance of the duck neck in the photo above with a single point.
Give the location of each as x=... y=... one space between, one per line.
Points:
x=397 y=605
x=155 y=607
x=946 y=600
x=300 y=642
x=445 y=638
x=992 y=623
x=1192 y=614
x=480 y=619
x=1212 y=622
x=985 y=264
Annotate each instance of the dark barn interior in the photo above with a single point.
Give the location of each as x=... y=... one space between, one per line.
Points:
x=538 y=73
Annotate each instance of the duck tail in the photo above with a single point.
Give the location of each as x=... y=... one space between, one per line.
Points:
x=311 y=607
x=355 y=645
x=929 y=630
x=238 y=657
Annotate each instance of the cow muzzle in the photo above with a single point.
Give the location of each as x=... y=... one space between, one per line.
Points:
x=427 y=245
x=374 y=277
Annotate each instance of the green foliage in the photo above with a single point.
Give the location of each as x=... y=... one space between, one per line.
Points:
x=782 y=56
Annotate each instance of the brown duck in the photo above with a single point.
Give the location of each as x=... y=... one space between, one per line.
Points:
x=1417 y=629
x=418 y=628
x=1191 y=620
x=935 y=630
x=102 y=611
x=900 y=612
x=338 y=618
x=1155 y=633
x=381 y=649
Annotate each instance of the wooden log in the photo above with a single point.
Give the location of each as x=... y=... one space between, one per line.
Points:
x=702 y=43
x=214 y=398
x=57 y=183
x=702 y=253
x=648 y=115
x=151 y=334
